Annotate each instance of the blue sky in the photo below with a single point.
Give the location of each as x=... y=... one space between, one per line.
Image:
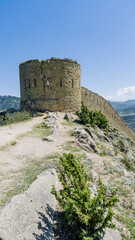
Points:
x=99 y=34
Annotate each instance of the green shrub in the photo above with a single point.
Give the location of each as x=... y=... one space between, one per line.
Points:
x=86 y=215
x=93 y=118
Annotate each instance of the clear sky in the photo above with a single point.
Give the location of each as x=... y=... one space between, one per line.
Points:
x=99 y=34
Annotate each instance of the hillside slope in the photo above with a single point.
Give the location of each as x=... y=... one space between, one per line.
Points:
x=7 y=102
x=32 y=147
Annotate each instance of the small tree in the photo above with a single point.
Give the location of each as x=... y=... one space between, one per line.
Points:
x=88 y=216
x=92 y=117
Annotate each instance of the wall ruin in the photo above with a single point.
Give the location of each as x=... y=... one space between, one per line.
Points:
x=97 y=103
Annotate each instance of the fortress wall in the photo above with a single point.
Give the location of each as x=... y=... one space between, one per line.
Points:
x=53 y=85
x=95 y=102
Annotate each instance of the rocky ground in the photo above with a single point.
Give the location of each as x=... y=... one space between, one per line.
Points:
x=30 y=148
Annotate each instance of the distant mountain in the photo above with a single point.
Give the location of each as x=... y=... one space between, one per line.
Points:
x=7 y=102
x=124 y=108
x=130 y=120
x=127 y=111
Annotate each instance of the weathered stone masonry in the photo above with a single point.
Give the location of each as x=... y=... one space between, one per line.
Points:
x=55 y=85
x=95 y=102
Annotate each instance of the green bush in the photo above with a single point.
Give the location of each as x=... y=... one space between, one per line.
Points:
x=86 y=215
x=93 y=118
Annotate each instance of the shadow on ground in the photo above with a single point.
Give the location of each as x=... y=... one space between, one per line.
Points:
x=62 y=231
x=53 y=225
x=45 y=225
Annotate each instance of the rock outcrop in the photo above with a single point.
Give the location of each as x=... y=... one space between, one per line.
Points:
x=30 y=215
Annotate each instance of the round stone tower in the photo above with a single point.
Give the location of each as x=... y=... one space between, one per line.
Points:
x=53 y=85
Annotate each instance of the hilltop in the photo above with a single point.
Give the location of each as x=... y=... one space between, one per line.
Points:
x=32 y=148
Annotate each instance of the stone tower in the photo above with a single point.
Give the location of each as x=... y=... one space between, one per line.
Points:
x=53 y=85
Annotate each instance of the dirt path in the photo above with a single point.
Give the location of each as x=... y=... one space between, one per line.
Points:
x=9 y=133
x=24 y=154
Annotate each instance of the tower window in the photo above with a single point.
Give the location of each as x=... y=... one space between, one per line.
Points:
x=29 y=85
x=47 y=83
x=35 y=83
x=60 y=82
x=72 y=83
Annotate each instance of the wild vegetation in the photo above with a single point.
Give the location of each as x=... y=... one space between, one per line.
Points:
x=93 y=118
x=86 y=215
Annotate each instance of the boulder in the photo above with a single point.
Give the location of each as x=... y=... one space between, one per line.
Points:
x=85 y=140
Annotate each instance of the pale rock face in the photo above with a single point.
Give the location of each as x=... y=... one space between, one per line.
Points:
x=30 y=215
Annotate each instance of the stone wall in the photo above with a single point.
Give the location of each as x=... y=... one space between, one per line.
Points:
x=53 y=85
x=95 y=102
